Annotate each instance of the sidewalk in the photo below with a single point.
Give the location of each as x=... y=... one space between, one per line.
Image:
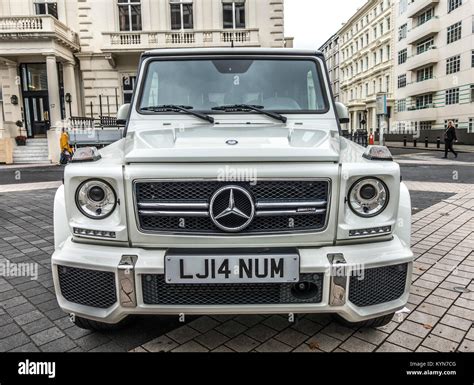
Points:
x=461 y=148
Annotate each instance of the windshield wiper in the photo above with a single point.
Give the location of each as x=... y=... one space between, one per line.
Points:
x=178 y=108
x=251 y=107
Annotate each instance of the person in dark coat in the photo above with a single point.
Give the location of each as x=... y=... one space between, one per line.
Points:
x=449 y=138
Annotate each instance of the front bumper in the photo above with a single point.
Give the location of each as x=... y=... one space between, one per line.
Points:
x=312 y=260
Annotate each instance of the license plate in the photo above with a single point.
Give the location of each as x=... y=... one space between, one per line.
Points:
x=257 y=268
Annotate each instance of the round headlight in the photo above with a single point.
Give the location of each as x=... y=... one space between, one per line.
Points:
x=96 y=199
x=368 y=197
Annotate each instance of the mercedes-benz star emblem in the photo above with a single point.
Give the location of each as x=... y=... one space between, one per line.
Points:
x=232 y=209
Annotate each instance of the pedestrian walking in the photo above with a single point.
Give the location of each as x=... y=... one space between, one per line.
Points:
x=449 y=138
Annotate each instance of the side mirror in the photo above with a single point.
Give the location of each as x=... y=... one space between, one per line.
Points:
x=122 y=114
x=342 y=113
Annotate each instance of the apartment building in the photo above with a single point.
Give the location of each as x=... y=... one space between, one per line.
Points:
x=63 y=58
x=366 y=67
x=330 y=49
x=435 y=67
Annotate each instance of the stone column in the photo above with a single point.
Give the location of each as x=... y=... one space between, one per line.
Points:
x=69 y=77
x=53 y=92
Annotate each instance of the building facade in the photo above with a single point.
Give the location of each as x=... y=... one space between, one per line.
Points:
x=367 y=65
x=78 y=58
x=330 y=49
x=435 y=66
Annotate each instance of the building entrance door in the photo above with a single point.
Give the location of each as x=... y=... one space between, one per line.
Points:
x=36 y=114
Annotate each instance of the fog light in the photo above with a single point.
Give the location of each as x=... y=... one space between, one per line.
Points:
x=94 y=233
x=372 y=231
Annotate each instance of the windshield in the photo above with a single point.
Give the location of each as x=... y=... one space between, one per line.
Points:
x=273 y=84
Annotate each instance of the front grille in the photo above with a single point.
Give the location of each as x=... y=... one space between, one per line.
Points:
x=157 y=292
x=183 y=206
x=382 y=284
x=87 y=287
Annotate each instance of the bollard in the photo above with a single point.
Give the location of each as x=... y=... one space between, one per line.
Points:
x=404 y=141
x=438 y=142
x=426 y=141
x=414 y=142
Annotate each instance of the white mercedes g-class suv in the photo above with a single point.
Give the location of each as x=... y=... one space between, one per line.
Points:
x=232 y=192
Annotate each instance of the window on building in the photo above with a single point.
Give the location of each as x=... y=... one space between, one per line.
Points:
x=181 y=14
x=425 y=125
x=402 y=81
x=424 y=74
x=472 y=58
x=387 y=83
x=380 y=84
x=375 y=58
x=425 y=16
x=388 y=52
x=375 y=32
x=424 y=101
x=453 y=4
x=402 y=56
x=452 y=96
x=381 y=29
x=367 y=38
x=454 y=32
x=130 y=15
x=472 y=93
x=424 y=45
x=453 y=64
x=401 y=105
x=402 y=32
x=470 y=127
x=455 y=122
x=46 y=7
x=402 y=6
x=128 y=85
x=366 y=89
x=234 y=15
x=381 y=54
x=389 y=24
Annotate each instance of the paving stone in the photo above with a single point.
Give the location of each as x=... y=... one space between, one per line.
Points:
x=423 y=318
x=273 y=345
x=456 y=322
x=13 y=341
x=337 y=331
x=231 y=328
x=439 y=301
x=242 y=344
x=373 y=336
x=8 y=330
x=37 y=326
x=26 y=318
x=160 y=344
x=190 y=347
x=405 y=340
x=62 y=344
x=222 y=349
x=212 y=339
x=277 y=322
x=13 y=302
x=466 y=346
x=424 y=349
x=261 y=332
x=448 y=332
x=323 y=342
x=307 y=327
x=109 y=347
x=203 y=324
x=291 y=337
x=415 y=329
x=249 y=320
x=47 y=335
x=92 y=341
x=461 y=312
x=183 y=334
x=389 y=347
x=27 y=348
x=470 y=334
x=440 y=344
x=75 y=332
x=354 y=344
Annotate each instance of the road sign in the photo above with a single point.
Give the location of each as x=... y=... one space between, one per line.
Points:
x=381 y=104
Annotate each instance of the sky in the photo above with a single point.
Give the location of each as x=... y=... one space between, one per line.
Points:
x=312 y=22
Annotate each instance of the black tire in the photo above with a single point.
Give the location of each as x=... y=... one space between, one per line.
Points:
x=88 y=324
x=370 y=323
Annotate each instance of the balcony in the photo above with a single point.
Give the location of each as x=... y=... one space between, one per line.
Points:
x=31 y=28
x=142 y=40
x=428 y=113
x=431 y=56
x=431 y=27
x=423 y=87
x=419 y=5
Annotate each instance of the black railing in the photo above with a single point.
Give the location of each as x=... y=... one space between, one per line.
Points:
x=360 y=137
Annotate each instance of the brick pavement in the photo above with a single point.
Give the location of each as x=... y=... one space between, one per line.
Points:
x=439 y=318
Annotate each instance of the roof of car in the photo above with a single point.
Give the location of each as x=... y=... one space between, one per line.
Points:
x=232 y=51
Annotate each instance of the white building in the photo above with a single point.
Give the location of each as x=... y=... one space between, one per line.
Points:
x=435 y=67
x=367 y=65
x=330 y=49
x=68 y=58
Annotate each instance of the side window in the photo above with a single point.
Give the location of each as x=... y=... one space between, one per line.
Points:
x=130 y=15
x=311 y=92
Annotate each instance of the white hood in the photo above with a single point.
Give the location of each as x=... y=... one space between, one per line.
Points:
x=232 y=143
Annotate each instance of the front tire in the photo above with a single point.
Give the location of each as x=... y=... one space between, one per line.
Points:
x=88 y=324
x=370 y=323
